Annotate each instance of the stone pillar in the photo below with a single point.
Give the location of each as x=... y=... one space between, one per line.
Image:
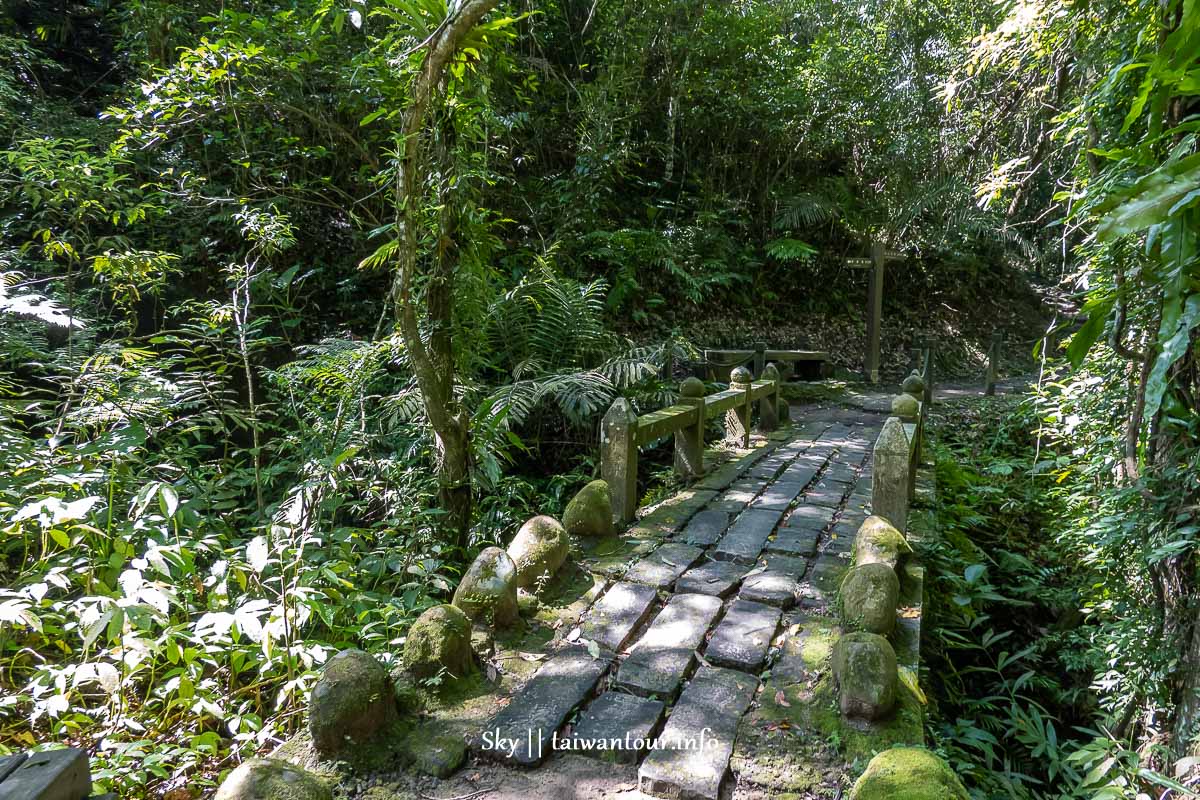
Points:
x=993 y=363
x=668 y=365
x=889 y=474
x=874 y=313
x=619 y=458
x=768 y=407
x=760 y=359
x=737 y=419
x=689 y=440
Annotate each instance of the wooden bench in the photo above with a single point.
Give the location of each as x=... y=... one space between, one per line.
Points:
x=62 y=774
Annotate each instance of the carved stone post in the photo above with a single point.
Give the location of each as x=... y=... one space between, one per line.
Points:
x=760 y=358
x=993 y=363
x=889 y=474
x=768 y=407
x=737 y=419
x=689 y=440
x=619 y=458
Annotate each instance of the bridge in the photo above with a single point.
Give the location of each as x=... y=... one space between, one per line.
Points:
x=754 y=634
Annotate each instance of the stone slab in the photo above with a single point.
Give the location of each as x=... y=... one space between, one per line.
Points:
x=743 y=636
x=527 y=724
x=657 y=663
x=824 y=493
x=746 y=536
x=799 y=473
x=617 y=614
x=771 y=588
x=10 y=763
x=684 y=766
x=716 y=578
x=793 y=542
x=62 y=774
x=792 y=566
x=840 y=538
x=661 y=568
x=826 y=576
x=778 y=496
x=671 y=514
x=616 y=727
x=812 y=517
x=705 y=528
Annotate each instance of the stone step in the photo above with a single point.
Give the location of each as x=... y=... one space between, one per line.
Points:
x=705 y=528
x=658 y=662
x=616 y=727
x=522 y=732
x=716 y=578
x=743 y=636
x=697 y=741
x=612 y=621
x=746 y=536
x=661 y=568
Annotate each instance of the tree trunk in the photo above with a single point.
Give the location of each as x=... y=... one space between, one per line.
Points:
x=433 y=364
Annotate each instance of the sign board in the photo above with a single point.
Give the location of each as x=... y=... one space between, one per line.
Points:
x=858 y=263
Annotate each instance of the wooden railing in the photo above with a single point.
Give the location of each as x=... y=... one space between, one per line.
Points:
x=622 y=432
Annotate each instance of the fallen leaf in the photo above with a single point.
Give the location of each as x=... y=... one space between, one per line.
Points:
x=531 y=656
x=781 y=699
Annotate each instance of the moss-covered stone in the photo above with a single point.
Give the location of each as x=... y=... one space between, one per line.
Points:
x=439 y=640
x=487 y=592
x=352 y=701
x=914 y=384
x=784 y=411
x=908 y=773
x=590 y=512
x=864 y=666
x=527 y=603
x=439 y=755
x=906 y=406
x=272 y=779
x=879 y=541
x=538 y=550
x=868 y=598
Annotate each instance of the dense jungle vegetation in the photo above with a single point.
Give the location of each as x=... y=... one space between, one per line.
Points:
x=302 y=302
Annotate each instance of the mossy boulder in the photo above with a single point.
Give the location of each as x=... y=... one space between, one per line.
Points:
x=868 y=598
x=914 y=384
x=488 y=591
x=272 y=779
x=439 y=640
x=439 y=755
x=864 y=667
x=590 y=512
x=352 y=701
x=908 y=773
x=538 y=550
x=878 y=541
x=906 y=406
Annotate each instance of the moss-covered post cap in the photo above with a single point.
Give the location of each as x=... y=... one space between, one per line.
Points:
x=740 y=376
x=879 y=541
x=590 y=513
x=864 y=667
x=272 y=779
x=488 y=591
x=914 y=384
x=439 y=640
x=908 y=773
x=539 y=549
x=351 y=702
x=906 y=407
x=691 y=387
x=868 y=598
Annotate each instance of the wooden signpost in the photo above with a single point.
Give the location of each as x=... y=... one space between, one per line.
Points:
x=880 y=255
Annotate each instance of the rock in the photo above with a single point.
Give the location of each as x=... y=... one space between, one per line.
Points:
x=864 y=666
x=439 y=640
x=906 y=406
x=590 y=512
x=352 y=701
x=784 y=412
x=488 y=591
x=914 y=384
x=878 y=541
x=540 y=547
x=868 y=598
x=272 y=779
x=741 y=376
x=439 y=756
x=908 y=773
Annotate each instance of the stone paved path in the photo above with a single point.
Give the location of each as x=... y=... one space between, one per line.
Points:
x=725 y=574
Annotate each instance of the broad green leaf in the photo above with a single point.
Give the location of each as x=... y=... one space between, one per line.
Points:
x=1151 y=200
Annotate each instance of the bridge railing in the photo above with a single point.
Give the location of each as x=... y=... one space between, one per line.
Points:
x=623 y=431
